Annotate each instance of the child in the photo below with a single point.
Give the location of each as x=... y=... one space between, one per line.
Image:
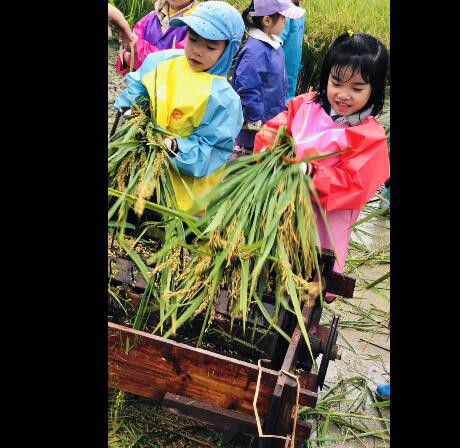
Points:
x=192 y=96
x=259 y=75
x=292 y=37
x=154 y=33
x=340 y=117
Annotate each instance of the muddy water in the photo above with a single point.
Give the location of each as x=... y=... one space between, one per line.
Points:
x=360 y=357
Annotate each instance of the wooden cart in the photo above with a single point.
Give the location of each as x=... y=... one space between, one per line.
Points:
x=219 y=390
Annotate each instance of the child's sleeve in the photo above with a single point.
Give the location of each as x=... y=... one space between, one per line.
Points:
x=136 y=88
x=211 y=144
x=350 y=183
x=142 y=48
x=248 y=81
x=133 y=92
x=266 y=136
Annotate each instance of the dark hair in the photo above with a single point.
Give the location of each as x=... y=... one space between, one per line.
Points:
x=256 y=21
x=362 y=53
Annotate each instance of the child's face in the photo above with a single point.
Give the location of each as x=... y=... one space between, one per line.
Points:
x=178 y=4
x=202 y=53
x=272 y=27
x=347 y=94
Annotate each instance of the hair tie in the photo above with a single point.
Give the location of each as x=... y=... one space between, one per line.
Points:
x=350 y=33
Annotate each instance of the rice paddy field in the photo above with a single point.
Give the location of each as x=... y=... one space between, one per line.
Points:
x=325 y=20
x=347 y=414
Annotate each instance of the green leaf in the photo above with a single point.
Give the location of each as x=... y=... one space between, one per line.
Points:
x=217 y=218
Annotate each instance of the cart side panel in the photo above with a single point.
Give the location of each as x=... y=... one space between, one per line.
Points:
x=153 y=365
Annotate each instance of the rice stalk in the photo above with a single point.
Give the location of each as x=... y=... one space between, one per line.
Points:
x=256 y=220
x=139 y=164
x=343 y=406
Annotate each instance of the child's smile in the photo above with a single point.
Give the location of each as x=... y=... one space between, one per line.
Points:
x=347 y=92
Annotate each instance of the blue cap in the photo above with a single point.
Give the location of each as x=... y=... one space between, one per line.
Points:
x=201 y=26
x=216 y=20
x=213 y=20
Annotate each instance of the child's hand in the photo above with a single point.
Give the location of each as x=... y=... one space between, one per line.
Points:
x=126 y=58
x=128 y=39
x=306 y=168
x=171 y=144
x=254 y=126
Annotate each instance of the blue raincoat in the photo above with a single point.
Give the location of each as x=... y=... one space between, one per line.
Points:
x=259 y=78
x=200 y=108
x=292 y=37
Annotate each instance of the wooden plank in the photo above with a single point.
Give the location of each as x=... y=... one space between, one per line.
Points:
x=221 y=418
x=303 y=432
x=162 y=365
x=283 y=399
x=154 y=365
x=308 y=398
x=224 y=419
x=340 y=284
x=308 y=381
x=327 y=259
x=210 y=415
x=322 y=332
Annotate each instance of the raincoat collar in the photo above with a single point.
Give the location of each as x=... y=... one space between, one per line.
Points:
x=273 y=40
x=162 y=11
x=353 y=119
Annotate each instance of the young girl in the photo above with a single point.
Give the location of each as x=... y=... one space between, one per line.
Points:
x=154 y=32
x=259 y=76
x=192 y=98
x=340 y=117
x=292 y=37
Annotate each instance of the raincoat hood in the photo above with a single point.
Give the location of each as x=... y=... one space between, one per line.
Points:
x=215 y=20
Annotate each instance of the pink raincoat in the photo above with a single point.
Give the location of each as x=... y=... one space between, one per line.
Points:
x=345 y=182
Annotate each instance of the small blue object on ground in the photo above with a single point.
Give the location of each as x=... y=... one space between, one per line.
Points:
x=383 y=391
x=385 y=193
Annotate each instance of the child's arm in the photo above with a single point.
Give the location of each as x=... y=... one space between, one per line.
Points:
x=350 y=183
x=136 y=88
x=211 y=144
x=266 y=136
x=116 y=17
x=142 y=48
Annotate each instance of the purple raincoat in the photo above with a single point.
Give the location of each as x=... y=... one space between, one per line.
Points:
x=151 y=38
x=259 y=78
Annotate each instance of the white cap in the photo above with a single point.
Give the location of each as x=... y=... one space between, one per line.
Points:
x=284 y=7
